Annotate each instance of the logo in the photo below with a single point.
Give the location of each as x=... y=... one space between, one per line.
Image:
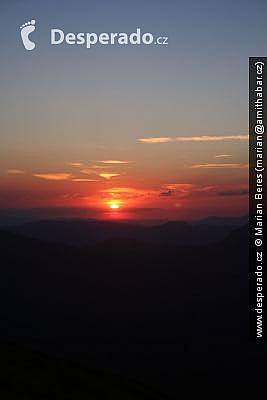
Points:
x=89 y=39
x=26 y=30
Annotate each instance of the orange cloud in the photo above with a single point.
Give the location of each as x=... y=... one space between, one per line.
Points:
x=176 y=189
x=156 y=140
x=74 y=164
x=183 y=187
x=124 y=192
x=87 y=171
x=84 y=180
x=192 y=139
x=99 y=166
x=107 y=175
x=223 y=155
x=53 y=176
x=14 y=171
x=114 y=162
x=211 y=166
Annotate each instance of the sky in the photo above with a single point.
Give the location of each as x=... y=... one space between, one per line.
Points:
x=159 y=132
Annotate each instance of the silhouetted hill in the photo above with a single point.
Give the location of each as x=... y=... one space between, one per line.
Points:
x=166 y=314
x=30 y=374
x=81 y=233
x=237 y=237
x=223 y=221
x=77 y=232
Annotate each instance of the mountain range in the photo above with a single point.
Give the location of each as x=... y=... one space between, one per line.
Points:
x=165 y=314
x=82 y=233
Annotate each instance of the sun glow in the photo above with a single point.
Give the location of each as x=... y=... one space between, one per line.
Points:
x=114 y=206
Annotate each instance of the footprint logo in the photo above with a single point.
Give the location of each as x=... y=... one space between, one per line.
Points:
x=26 y=29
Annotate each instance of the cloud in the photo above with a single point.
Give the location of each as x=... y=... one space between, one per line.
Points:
x=99 y=167
x=105 y=165
x=15 y=171
x=53 y=176
x=181 y=187
x=223 y=155
x=217 y=166
x=124 y=192
x=74 y=164
x=156 y=140
x=108 y=176
x=87 y=171
x=193 y=139
x=222 y=190
x=182 y=191
x=167 y=194
x=93 y=170
x=114 y=162
x=84 y=180
x=237 y=192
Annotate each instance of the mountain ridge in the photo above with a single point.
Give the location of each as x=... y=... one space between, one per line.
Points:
x=81 y=233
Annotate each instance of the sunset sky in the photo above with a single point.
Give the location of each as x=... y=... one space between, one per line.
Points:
x=159 y=132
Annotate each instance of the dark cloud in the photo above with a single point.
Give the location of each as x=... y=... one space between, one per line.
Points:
x=238 y=192
x=167 y=194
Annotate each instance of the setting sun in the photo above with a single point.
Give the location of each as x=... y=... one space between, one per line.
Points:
x=114 y=206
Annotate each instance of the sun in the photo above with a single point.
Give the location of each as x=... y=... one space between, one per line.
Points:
x=114 y=206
